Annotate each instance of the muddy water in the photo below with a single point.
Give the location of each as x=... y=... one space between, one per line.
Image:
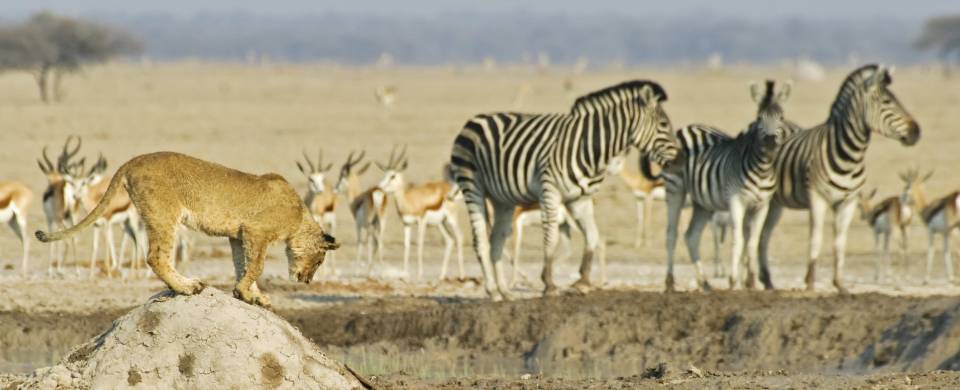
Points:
x=602 y=335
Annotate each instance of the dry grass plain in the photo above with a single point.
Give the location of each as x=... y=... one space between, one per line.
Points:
x=259 y=118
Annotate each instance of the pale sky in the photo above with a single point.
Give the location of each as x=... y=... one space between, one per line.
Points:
x=737 y=9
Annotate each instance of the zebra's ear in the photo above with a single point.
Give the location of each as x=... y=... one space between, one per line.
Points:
x=881 y=78
x=652 y=96
x=784 y=93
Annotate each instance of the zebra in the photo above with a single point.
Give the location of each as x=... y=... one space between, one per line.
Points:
x=823 y=167
x=557 y=160
x=721 y=173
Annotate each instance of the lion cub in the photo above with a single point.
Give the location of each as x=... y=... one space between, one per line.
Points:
x=253 y=211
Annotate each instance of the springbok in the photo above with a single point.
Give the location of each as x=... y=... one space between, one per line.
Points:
x=320 y=198
x=422 y=205
x=941 y=217
x=386 y=95
x=90 y=189
x=15 y=200
x=59 y=203
x=894 y=211
x=368 y=208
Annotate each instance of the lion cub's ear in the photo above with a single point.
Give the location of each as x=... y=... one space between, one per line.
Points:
x=329 y=242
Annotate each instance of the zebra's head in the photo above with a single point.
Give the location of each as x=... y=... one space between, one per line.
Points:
x=769 y=125
x=883 y=112
x=662 y=147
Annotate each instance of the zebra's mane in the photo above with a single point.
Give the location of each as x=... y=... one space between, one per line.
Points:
x=858 y=78
x=620 y=93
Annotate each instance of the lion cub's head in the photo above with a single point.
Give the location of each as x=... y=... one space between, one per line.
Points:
x=307 y=249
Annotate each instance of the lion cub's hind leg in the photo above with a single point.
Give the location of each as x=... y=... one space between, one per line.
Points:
x=162 y=239
x=248 y=259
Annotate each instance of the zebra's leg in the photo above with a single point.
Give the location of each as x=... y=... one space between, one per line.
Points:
x=550 y=209
x=737 y=220
x=843 y=215
x=774 y=210
x=676 y=196
x=517 y=241
x=755 y=225
x=698 y=221
x=818 y=211
x=502 y=226
x=715 y=231
x=582 y=213
x=477 y=211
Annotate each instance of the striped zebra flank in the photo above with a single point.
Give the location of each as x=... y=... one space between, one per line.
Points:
x=557 y=160
x=823 y=167
x=725 y=174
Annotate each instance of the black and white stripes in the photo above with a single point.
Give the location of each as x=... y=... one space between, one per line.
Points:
x=721 y=173
x=824 y=167
x=557 y=160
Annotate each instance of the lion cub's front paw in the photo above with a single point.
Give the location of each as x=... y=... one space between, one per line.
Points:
x=191 y=287
x=251 y=297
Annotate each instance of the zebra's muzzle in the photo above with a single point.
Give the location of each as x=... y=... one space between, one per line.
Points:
x=912 y=136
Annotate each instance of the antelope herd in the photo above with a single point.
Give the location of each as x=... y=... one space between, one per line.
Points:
x=73 y=190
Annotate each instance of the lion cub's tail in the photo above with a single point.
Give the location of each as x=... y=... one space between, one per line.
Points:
x=116 y=183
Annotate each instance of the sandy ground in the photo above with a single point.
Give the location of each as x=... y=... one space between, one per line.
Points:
x=259 y=118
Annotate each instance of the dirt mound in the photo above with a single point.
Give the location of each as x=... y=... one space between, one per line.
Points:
x=926 y=338
x=209 y=340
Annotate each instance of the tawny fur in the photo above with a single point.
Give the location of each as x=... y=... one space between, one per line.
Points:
x=15 y=199
x=253 y=211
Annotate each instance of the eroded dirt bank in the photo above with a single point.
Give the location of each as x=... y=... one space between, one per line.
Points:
x=607 y=334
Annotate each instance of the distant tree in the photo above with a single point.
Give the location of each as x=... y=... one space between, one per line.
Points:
x=49 y=45
x=942 y=34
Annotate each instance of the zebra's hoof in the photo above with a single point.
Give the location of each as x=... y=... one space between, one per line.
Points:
x=670 y=284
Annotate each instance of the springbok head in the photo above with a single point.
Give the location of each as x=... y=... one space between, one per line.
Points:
x=393 y=169
x=349 y=170
x=315 y=173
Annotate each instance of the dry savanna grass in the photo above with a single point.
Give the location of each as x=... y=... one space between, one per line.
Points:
x=258 y=118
